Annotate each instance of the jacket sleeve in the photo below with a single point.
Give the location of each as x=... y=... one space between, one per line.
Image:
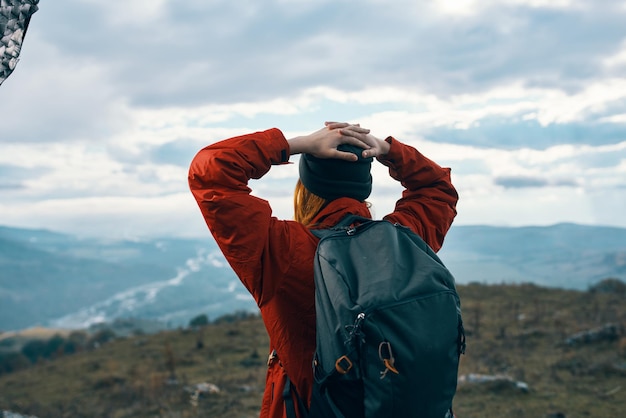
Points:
x=428 y=203
x=241 y=223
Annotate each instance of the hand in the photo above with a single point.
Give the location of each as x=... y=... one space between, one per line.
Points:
x=324 y=143
x=374 y=146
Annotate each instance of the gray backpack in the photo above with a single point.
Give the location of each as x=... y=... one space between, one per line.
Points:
x=389 y=326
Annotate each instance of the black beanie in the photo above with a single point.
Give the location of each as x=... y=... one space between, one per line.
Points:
x=331 y=178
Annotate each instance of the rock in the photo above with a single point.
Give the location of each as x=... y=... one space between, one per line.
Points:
x=8 y=414
x=607 y=332
x=498 y=379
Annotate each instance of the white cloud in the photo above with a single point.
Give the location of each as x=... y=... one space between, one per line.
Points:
x=59 y=98
x=122 y=174
x=618 y=60
x=133 y=12
x=143 y=206
x=117 y=217
x=548 y=4
x=524 y=99
x=618 y=118
x=419 y=111
x=460 y=7
x=525 y=207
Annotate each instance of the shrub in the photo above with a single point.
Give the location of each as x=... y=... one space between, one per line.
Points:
x=13 y=361
x=54 y=346
x=34 y=350
x=235 y=317
x=101 y=337
x=610 y=285
x=199 y=321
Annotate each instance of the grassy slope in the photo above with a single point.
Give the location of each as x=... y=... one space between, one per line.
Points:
x=515 y=330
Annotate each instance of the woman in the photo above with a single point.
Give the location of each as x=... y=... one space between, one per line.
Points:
x=274 y=258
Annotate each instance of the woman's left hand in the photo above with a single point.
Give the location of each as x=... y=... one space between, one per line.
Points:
x=324 y=142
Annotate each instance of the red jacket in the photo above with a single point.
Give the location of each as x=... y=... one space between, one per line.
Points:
x=274 y=258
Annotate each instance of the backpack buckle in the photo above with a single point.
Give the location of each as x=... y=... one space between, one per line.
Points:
x=343 y=365
x=270 y=359
x=386 y=356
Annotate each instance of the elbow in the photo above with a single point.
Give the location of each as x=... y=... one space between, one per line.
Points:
x=200 y=172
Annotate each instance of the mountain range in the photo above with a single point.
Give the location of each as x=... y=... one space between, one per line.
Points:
x=59 y=280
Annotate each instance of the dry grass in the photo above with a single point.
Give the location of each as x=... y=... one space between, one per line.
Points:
x=514 y=330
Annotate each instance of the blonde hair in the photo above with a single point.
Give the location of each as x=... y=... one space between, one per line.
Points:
x=306 y=205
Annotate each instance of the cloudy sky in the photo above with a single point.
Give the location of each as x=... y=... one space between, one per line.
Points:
x=524 y=99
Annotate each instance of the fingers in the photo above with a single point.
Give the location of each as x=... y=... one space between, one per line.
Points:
x=371 y=145
x=355 y=142
x=345 y=133
x=355 y=131
x=355 y=128
x=342 y=155
x=344 y=125
x=370 y=153
x=336 y=125
x=359 y=134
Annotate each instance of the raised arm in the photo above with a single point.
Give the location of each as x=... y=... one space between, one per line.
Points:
x=255 y=244
x=428 y=203
x=239 y=222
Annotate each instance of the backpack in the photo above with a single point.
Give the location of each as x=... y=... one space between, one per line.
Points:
x=388 y=323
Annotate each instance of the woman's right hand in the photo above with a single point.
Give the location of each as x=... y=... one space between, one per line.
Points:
x=324 y=142
x=374 y=146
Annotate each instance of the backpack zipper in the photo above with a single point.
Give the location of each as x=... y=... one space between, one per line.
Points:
x=355 y=330
x=367 y=312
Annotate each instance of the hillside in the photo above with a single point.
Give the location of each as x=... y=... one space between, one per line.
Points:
x=518 y=331
x=564 y=255
x=58 y=280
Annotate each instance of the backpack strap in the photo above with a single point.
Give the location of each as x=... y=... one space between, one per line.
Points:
x=342 y=225
x=290 y=406
x=350 y=219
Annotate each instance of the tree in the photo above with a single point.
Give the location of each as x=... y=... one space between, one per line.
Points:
x=101 y=337
x=34 y=350
x=13 y=361
x=54 y=346
x=199 y=321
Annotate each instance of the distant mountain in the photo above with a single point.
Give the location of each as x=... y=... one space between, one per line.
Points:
x=563 y=255
x=59 y=280
x=54 y=279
